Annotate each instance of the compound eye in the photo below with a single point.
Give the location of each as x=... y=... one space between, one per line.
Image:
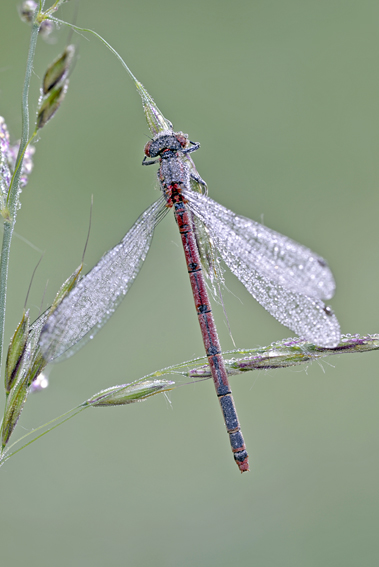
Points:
x=182 y=139
x=147 y=148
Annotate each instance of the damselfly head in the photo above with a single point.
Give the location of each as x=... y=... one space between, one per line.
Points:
x=166 y=141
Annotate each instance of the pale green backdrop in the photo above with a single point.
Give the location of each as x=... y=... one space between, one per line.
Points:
x=284 y=98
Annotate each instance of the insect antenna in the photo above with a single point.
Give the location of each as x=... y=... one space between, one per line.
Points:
x=89 y=229
x=31 y=280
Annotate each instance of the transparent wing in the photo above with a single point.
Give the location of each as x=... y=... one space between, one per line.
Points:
x=36 y=328
x=210 y=260
x=286 y=278
x=275 y=256
x=97 y=295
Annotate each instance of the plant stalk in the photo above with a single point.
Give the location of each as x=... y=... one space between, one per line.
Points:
x=13 y=197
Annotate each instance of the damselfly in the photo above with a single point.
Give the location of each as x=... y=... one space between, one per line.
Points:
x=286 y=278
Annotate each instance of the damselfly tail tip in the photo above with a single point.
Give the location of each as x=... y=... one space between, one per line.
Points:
x=242 y=461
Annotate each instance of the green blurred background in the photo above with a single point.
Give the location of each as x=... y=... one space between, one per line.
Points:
x=284 y=98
